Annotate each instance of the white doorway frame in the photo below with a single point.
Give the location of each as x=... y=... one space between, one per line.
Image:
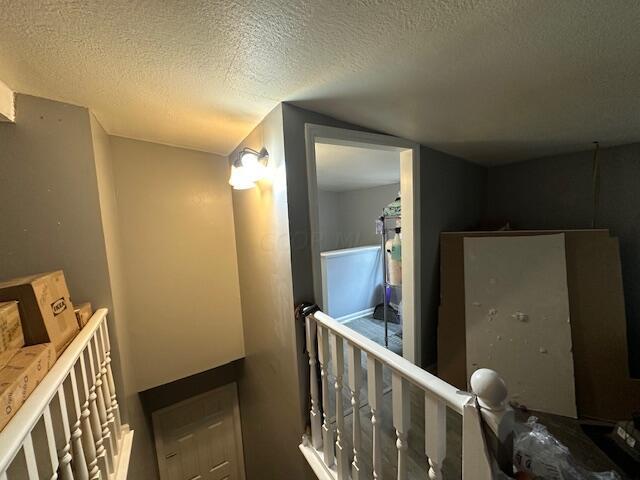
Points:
x=410 y=221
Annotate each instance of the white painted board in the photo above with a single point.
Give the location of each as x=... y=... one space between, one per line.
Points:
x=517 y=318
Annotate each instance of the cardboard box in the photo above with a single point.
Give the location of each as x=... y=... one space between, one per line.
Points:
x=45 y=309
x=21 y=376
x=11 y=336
x=83 y=314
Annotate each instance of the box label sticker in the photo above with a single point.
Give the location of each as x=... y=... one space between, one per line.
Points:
x=58 y=306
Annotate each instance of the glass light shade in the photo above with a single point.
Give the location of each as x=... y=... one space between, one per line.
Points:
x=253 y=167
x=239 y=179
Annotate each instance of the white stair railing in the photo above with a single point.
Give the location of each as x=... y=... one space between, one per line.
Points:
x=324 y=445
x=76 y=400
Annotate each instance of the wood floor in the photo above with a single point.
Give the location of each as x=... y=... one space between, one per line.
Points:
x=418 y=464
x=564 y=429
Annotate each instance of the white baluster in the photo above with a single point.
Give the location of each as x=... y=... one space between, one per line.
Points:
x=51 y=441
x=401 y=420
x=94 y=416
x=327 y=428
x=112 y=386
x=342 y=459
x=64 y=453
x=79 y=461
x=355 y=382
x=30 y=458
x=315 y=416
x=374 y=386
x=88 y=438
x=111 y=424
x=102 y=410
x=435 y=434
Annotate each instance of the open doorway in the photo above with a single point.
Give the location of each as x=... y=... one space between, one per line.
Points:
x=363 y=193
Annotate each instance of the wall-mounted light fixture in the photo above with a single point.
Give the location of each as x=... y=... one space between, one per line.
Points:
x=247 y=168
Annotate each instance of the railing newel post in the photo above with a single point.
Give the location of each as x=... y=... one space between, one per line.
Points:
x=495 y=412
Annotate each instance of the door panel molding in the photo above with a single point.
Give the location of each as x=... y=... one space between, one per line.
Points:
x=212 y=456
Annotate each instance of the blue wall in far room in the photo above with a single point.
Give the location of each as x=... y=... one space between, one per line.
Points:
x=351 y=280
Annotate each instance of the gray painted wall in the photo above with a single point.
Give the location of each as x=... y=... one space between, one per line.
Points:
x=348 y=219
x=272 y=388
x=294 y=119
x=145 y=464
x=557 y=192
x=57 y=209
x=453 y=193
x=177 y=241
x=49 y=202
x=329 y=220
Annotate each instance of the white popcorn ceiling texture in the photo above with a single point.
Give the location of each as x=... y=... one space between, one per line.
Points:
x=491 y=81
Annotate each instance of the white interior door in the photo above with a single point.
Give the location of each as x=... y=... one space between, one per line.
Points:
x=200 y=438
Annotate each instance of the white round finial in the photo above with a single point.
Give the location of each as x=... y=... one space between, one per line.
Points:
x=490 y=388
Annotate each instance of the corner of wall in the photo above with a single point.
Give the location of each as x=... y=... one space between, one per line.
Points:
x=7 y=104
x=145 y=465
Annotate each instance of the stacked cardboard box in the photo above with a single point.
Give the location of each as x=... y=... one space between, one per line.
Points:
x=46 y=311
x=21 y=376
x=83 y=314
x=11 y=337
x=36 y=311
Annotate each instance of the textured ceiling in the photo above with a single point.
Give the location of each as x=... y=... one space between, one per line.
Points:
x=341 y=168
x=492 y=81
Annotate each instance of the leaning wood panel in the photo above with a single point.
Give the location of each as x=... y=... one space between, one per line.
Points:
x=595 y=293
x=599 y=329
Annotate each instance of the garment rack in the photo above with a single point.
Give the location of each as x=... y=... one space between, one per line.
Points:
x=385 y=283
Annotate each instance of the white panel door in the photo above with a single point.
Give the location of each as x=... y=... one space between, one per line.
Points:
x=200 y=438
x=517 y=317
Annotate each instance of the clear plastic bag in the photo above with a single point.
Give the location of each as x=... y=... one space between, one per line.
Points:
x=540 y=454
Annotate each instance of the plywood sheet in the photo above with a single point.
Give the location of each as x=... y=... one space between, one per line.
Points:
x=517 y=317
x=604 y=388
x=598 y=324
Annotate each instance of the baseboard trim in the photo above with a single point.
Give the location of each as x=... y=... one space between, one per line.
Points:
x=352 y=316
x=316 y=462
